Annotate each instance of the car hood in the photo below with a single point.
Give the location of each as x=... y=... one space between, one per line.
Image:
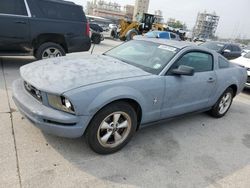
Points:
x=59 y=75
x=242 y=61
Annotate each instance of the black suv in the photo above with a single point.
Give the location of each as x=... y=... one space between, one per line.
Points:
x=228 y=50
x=43 y=28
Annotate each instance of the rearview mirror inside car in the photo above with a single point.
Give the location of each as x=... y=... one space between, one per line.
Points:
x=183 y=70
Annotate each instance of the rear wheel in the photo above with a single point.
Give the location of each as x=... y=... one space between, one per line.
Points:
x=111 y=128
x=223 y=104
x=49 y=50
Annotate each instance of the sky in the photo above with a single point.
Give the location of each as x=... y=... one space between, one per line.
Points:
x=234 y=14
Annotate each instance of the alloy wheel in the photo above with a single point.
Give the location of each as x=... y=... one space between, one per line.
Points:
x=114 y=129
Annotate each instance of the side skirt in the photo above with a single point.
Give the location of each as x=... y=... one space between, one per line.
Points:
x=161 y=121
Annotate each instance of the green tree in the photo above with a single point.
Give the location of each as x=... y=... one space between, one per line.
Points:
x=177 y=24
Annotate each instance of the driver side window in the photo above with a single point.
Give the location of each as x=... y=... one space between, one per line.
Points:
x=200 y=61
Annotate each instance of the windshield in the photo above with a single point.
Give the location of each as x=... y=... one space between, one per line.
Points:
x=149 y=56
x=247 y=55
x=213 y=45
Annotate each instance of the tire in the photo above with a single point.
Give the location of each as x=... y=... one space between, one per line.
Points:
x=49 y=50
x=130 y=35
x=216 y=110
x=103 y=134
x=96 y=40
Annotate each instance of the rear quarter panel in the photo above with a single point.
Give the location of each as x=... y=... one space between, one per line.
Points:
x=233 y=75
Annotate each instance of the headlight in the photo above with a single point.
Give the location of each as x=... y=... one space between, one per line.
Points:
x=61 y=103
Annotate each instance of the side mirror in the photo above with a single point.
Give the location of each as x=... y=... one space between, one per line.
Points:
x=226 y=51
x=183 y=70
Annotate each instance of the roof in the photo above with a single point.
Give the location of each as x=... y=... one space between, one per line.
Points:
x=63 y=2
x=173 y=43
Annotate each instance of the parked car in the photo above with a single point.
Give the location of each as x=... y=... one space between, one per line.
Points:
x=96 y=37
x=246 y=50
x=245 y=62
x=43 y=28
x=96 y=33
x=162 y=35
x=228 y=50
x=108 y=97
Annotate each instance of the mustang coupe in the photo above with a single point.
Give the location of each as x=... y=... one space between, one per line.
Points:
x=107 y=98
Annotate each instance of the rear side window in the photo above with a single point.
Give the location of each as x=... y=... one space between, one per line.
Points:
x=61 y=11
x=223 y=63
x=14 y=7
x=236 y=48
x=200 y=61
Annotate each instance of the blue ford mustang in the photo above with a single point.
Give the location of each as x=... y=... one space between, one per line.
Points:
x=108 y=97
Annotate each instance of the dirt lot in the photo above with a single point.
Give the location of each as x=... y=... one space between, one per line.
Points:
x=193 y=151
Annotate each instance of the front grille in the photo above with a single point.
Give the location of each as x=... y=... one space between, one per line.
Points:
x=248 y=79
x=33 y=91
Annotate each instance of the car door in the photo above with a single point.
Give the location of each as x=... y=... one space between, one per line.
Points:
x=14 y=21
x=185 y=94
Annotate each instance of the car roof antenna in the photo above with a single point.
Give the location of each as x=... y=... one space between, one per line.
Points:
x=92 y=49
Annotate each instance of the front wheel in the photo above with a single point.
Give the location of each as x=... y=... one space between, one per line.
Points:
x=111 y=128
x=223 y=104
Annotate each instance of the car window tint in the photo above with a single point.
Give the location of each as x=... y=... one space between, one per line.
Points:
x=236 y=48
x=55 y=10
x=15 y=7
x=223 y=63
x=200 y=61
x=229 y=47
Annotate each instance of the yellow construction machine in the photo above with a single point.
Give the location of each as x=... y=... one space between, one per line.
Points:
x=127 y=30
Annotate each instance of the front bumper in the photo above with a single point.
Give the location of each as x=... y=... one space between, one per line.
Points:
x=45 y=118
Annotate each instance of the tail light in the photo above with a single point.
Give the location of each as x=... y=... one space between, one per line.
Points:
x=87 y=29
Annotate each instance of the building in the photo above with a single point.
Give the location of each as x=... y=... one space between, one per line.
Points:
x=141 y=6
x=129 y=11
x=206 y=25
x=159 y=16
x=113 y=11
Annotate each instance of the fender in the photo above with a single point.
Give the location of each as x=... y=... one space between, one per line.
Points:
x=113 y=94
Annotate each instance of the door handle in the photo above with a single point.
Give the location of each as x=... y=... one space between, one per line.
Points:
x=20 y=22
x=210 y=80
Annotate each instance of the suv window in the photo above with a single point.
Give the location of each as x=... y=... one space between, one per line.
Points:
x=223 y=63
x=236 y=48
x=61 y=11
x=14 y=7
x=200 y=61
x=229 y=47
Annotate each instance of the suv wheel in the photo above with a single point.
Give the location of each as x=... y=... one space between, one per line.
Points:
x=111 y=128
x=49 y=50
